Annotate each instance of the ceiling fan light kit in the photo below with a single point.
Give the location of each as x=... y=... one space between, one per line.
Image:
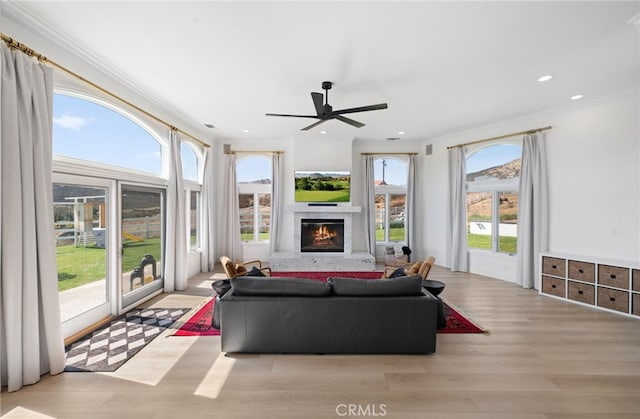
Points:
x=325 y=112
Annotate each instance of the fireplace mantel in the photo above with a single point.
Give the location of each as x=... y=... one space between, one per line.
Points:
x=297 y=260
x=322 y=208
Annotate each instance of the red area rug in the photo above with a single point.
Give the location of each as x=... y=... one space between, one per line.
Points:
x=458 y=323
x=199 y=324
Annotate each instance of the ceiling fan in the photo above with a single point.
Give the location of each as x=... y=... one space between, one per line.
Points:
x=325 y=112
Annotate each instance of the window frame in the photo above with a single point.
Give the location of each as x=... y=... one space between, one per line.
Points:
x=495 y=187
x=101 y=169
x=257 y=189
x=191 y=187
x=387 y=191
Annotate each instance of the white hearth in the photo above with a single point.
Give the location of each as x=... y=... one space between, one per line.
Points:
x=297 y=260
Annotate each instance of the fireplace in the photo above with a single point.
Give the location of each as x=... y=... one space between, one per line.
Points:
x=322 y=235
x=341 y=258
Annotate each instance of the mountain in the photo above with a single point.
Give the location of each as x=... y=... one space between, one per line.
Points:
x=505 y=171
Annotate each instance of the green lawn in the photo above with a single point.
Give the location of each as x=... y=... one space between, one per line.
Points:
x=247 y=237
x=341 y=195
x=82 y=265
x=482 y=241
x=395 y=235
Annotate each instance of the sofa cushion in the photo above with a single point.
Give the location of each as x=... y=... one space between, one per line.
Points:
x=275 y=286
x=406 y=285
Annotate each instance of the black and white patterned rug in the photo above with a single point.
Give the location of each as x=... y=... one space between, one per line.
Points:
x=107 y=348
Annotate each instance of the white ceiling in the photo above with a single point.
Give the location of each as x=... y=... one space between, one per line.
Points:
x=441 y=66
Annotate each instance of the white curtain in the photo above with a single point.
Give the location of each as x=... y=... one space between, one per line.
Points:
x=175 y=261
x=232 y=246
x=410 y=212
x=369 y=206
x=276 y=201
x=457 y=211
x=31 y=340
x=533 y=209
x=207 y=199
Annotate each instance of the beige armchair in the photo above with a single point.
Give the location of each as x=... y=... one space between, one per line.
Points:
x=233 y=269
x=421 y=267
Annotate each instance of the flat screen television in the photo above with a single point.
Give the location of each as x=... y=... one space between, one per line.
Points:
x=322 y=186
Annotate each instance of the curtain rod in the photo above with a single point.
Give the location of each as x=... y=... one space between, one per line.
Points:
x=253 y=151
x=13 y=44
x=389 y=154
x=531 y=131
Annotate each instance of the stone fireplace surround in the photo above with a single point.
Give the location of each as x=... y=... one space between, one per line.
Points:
x=297 y=260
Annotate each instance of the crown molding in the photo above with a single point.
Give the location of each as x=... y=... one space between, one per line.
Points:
x=13 y=11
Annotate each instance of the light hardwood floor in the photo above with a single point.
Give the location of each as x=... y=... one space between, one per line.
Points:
x=543 y=358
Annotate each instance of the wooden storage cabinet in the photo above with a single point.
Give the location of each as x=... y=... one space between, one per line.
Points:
x=553 y=286
x=635 y=304
x=553 y=266
x=613 y=276
x=613 y=299
x=606 y=284
x=583 y=271
x=584 y=293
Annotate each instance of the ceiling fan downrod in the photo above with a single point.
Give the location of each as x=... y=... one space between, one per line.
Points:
x=326 y=85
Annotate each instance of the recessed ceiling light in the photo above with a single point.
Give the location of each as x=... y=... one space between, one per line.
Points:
x=209 y=125
x=576 y=97
x=546 y=77
x=400 y=132
x=245 y=130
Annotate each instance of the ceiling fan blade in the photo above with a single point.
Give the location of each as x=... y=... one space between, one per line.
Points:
x=294 y=116
x=317 y=102
x=315 y=124
x=361 y=109
x=349 y=121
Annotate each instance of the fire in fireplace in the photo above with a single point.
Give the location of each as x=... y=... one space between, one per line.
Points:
x=322 y=235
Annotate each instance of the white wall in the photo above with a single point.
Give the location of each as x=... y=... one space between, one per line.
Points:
x=593 y=156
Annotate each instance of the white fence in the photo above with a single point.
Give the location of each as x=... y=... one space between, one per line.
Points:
x=484 y=228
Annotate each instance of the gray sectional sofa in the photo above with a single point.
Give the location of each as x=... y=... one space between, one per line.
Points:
x=339 y=316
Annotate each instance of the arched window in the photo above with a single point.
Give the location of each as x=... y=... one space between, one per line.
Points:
x=190 y=158
x=87 y=130
x=390 y=177
x=253 y=175
x=493 y=173
x=189 y=161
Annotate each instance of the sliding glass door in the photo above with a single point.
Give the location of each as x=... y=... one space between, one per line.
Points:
x=142 y=231
x=82 y=225
x=109 y=247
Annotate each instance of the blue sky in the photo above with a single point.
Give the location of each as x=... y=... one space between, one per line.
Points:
x=493 y=156
x=86 y=130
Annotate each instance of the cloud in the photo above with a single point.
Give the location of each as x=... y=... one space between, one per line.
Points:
x=71 y=122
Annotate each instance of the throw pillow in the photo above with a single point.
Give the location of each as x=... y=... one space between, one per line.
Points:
x=397 y=273
x=254 y=272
